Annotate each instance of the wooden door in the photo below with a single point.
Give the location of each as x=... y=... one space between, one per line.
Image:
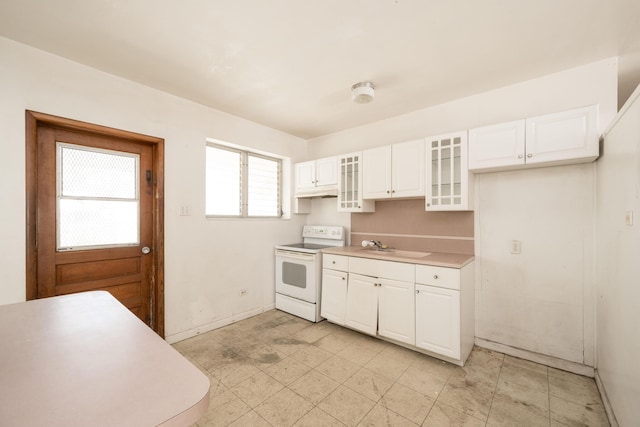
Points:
x=96 y=222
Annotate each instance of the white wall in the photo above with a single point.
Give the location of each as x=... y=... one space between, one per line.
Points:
x=618 y=264
x=542 y=300
x=207 y=262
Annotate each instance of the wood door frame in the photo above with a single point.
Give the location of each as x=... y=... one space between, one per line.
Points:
x=33 y=120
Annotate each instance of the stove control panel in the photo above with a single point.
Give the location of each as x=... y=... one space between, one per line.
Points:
x=323 y=232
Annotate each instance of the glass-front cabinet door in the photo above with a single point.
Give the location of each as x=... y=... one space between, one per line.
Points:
x=448 y=181
x=350 y=185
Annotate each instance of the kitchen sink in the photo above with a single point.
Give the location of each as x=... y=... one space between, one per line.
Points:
x=402 y=254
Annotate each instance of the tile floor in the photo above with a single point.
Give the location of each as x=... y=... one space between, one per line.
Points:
x=276 y=369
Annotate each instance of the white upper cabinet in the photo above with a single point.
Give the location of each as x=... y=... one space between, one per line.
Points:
x=497 y=146
x=552 y=139
x=305 y=175
x=448 y=181
x=394 y=171
x=326 y=171
x=407 y=169
x=350 y=185
x=570 y=136
x=316 y=173
x=377 y=173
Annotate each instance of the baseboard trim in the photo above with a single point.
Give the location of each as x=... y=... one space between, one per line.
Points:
x=219 y=323
x=605 y=401
x=554 y=362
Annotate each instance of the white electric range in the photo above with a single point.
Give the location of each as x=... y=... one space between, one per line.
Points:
x=299 y=270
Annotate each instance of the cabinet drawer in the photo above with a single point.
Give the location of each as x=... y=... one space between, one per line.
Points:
x=335 y=262
x=384 y=269
x=441 y=277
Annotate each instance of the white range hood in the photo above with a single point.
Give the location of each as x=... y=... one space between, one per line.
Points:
x=320 y=193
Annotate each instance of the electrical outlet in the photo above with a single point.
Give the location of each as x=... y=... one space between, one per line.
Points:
x=516 y=246
x=628 y=217
x=243 y=292
x=185 y=210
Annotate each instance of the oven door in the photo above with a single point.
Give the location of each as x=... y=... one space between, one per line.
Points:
x=297 y=274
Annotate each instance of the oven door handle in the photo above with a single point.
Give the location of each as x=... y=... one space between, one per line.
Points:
x=296 y=255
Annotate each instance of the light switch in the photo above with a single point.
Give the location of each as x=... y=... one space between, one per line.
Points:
x=628 y=217
x=516 y=245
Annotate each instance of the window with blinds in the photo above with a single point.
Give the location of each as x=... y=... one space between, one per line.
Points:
x=242 y=183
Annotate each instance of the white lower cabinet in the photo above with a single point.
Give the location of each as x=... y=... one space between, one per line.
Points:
x=445 y=312
x=333 y=303
x=381 y=305
x=334 y=295
x=426 y=308
x=438 y=320
x=396 y=319
x=362 y=303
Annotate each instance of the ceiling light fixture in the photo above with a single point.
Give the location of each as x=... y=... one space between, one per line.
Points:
x=362 y=92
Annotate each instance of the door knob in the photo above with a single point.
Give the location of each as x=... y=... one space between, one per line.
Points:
x=145 y=250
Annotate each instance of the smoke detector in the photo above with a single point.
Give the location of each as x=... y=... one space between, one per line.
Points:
x=362 y=92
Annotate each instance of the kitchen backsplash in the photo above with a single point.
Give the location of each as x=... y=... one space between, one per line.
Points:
x=404 y=224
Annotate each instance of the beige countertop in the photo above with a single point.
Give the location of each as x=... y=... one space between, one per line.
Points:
x=439 y=259
x=85 y=360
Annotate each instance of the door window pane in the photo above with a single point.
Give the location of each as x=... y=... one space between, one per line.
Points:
x=97 y=223
x=97 y=174
x=97 y=197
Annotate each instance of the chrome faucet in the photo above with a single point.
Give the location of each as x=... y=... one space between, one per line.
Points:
x=377 y=244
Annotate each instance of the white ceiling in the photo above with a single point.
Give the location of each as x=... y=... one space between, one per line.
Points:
x=289 y=64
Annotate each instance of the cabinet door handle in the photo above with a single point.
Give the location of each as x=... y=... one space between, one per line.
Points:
x=393 y=191
x=417 y=291
x=387 y=191
x=529 y=155
x=333 y=262
x=344 y=278
x=519 y=156
x=435 y=276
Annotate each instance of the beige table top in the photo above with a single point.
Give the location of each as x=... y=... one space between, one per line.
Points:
x=85 y=360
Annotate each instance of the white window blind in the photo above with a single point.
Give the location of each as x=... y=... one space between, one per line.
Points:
x=242 y=183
